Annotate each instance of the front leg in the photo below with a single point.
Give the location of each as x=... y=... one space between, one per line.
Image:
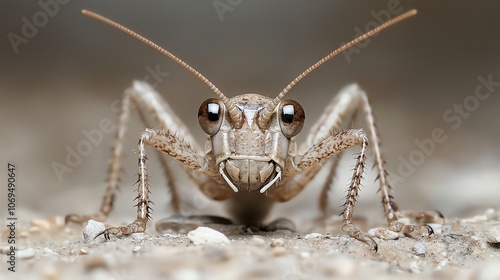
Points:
x=166 y=142
x=319 y=154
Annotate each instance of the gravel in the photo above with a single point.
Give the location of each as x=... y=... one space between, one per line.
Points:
x=493 y=235
x=463 y=251
x=205 y=235
x=92 y=229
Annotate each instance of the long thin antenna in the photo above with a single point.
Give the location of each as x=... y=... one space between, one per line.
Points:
x=265 y=115
x=234 y=112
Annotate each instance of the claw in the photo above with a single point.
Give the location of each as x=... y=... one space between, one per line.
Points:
x=374 y=246
x=354 y=232
x=105 y=233
x=430 y=230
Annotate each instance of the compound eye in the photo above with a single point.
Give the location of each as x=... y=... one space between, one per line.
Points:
x=291 y=117
x=210 y=116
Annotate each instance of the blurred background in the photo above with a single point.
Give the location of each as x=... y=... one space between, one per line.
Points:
x=63 y=73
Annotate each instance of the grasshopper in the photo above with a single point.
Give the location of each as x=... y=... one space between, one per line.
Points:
x=251 y=159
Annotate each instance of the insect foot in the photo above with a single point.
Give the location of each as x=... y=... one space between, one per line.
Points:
x=136 y=227
x=430 y=216
x=354 y=232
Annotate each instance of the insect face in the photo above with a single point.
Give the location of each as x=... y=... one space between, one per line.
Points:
x=248 y=156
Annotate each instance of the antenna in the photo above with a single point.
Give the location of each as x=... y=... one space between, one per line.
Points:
x=234 y=112
x=265 y=115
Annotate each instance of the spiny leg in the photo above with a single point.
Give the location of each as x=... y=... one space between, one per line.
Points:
x=140 y=94
x=114 y=168
x=323 y=197
x=342 y=109
x=320 y=153
x=346 y=104
x=351 y=197
x=339 y=112
x=174 y=195
x=143 y=208
x=170 y=144
x=390 y=206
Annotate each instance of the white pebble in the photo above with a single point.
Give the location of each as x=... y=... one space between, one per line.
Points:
x=92 y=229
x=313 y=235
x=493 y=234
x=34 y=229
x=205 y=235
x=41 y=223
x=25 y=254
x=442 y=264
x=383 y=233
x=419 y=248
x=277 y=242
x=256 y=240
x=136 y=249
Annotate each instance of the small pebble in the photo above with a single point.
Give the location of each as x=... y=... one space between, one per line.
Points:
x=34 y=229
x=419 y=249
x=50 y=252
x=205 y=235
x=136 y=249
x=313 y=235
x=25 y=254
x=383 y=233
x=493 y=235
x=409 y=265
x=442 y=264
x=258 y=241
x=92 y=229
x=277 y=242
x=41 y=223
x=138 y=236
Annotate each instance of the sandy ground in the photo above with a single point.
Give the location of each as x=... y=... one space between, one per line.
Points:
x=47 y=249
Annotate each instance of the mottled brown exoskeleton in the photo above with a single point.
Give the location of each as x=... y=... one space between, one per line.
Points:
x=251 y=159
